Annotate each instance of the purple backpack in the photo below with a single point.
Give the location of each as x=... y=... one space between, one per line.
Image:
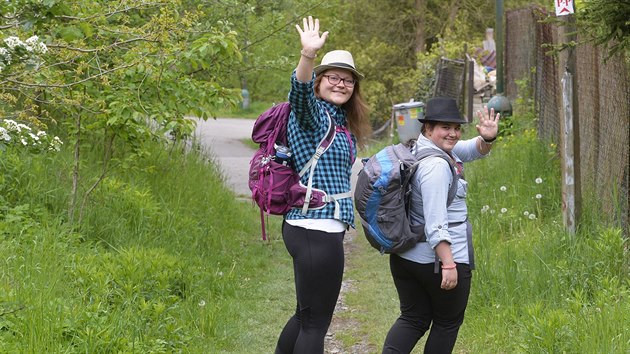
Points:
x=276 y=187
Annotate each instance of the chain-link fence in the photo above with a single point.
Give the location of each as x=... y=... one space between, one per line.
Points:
x=603 y=96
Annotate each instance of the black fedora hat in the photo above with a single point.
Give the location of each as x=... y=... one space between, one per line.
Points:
x=442 y=109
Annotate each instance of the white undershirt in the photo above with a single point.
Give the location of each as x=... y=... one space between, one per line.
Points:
x=326 y=225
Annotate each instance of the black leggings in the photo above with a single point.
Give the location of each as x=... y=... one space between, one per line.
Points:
x=423 y=303
x=318 y=263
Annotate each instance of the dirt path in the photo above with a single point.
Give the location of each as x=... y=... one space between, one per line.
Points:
x=340 y=322
x=222 y=138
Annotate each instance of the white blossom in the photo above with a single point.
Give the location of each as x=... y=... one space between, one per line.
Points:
x=5 y=54
x=4 y=134
x=13 y=42
x=538 y=180
x=32 y=40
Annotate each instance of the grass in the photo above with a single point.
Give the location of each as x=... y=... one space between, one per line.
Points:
x=168 y=260
x=536 y=289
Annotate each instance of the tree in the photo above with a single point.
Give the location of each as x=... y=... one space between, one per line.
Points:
x=116 y=75
x=607 y=23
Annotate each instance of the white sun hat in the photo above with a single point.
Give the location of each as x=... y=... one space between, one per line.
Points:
x=339 y=59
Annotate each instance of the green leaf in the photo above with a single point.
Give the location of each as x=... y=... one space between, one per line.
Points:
x=87 y=29
x=71 y=34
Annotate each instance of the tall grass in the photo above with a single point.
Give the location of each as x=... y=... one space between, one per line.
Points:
x=536 y=288
x=165 y=261
x=168 y=260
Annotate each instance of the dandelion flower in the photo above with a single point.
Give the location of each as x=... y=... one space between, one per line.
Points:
x=503 y=210
x=532 y=216
x=538 y=196
x=485 y=208
x=526 y=213
x=538 y=180
x=503 y=188
x=202 y=303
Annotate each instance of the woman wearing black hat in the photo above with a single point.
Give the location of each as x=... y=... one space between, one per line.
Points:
x=314 y=238
x=433 y=278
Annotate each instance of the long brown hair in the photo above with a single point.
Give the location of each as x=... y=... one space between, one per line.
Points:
x=357 y=112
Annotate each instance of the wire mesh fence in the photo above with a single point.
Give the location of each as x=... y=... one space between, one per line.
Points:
x=449 y=81
x=603 y=110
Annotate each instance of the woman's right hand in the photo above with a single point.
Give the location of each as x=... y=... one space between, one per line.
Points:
x=309 y=35
x=449 y=279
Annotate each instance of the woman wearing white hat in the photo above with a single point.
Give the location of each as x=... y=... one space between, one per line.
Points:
x=314 y=238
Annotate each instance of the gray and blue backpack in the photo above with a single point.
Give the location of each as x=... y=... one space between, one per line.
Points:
x=382 y=197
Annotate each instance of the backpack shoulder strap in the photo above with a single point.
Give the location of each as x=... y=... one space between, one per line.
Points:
x=322 y=146
x=423 y=153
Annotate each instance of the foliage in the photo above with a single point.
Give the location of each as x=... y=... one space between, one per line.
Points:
x=607 y=23
x=13 y=133
x=536 y=288
x=167 y=260
x=107 y=69
x=601 y=22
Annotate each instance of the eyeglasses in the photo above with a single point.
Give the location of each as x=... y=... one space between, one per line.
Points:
x=334 y=80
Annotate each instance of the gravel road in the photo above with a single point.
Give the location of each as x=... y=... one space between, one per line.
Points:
x=223 y=137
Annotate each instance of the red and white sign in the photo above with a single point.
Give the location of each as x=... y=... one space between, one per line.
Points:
x=564 y=7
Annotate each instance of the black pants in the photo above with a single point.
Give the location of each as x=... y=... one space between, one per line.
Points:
x=318 y=262
x=423 y=303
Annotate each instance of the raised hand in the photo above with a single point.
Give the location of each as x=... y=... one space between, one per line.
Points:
x=310 y=38
x=488 y=126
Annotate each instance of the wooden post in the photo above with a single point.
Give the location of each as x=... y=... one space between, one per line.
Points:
x=570 y=137
x=470 y=88
x=568 y=156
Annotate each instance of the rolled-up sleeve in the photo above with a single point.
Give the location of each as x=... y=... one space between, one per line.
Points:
x=467 y=150
x=303 y=103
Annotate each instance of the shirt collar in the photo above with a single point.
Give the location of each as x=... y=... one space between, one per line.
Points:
x=337 y=113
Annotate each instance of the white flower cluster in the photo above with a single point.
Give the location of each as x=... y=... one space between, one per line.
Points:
x=15 y=49
x=30 y=45
x=13 y=133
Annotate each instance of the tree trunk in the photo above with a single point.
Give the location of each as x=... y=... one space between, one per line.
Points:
x=453 y=8
x=420 y=40
x=75 y=171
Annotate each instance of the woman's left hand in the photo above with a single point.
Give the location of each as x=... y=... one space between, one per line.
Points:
x=488 y=126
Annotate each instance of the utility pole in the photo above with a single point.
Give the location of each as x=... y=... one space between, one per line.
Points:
x=499 y=102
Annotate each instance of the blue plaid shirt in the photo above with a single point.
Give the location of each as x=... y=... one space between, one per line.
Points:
x=308 y=123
